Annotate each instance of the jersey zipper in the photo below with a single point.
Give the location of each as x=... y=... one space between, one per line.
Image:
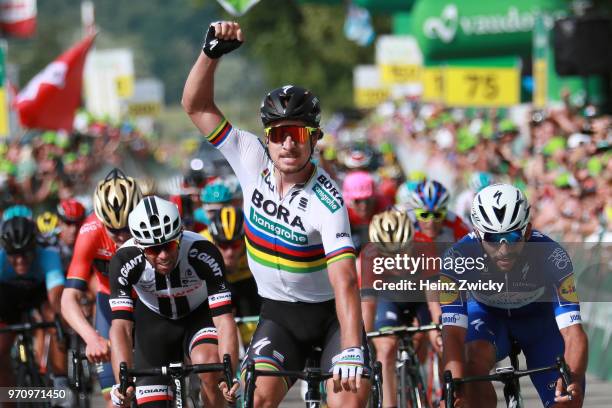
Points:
x=169 y=289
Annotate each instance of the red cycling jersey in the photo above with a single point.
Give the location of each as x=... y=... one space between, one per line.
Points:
x=455 y=224
x=93 y=250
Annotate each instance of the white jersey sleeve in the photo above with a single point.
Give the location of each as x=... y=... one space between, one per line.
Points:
x=333 y=221
x=243 y=151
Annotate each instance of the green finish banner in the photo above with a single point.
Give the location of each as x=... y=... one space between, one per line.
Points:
x=472 y=28
x=385 y=6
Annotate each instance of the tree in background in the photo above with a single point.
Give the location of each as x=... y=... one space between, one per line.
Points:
x=305 y=45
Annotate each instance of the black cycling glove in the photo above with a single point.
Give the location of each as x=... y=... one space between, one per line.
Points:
x=215 y=47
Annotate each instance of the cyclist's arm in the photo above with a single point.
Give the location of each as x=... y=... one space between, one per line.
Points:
x=453 y=339
x=227 y=335
x=343 y=278
x=54 y=297
x=54 y=277
x=73 y=314
x=368 y=311
x=567 y=314
x=219 y=296
x=199 y=95
x=453 y=303
x=121 y=344
x=78 y=276
x=122 y=306
x=576 y=350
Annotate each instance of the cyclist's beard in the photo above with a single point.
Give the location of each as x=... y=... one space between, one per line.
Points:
x=506 y=260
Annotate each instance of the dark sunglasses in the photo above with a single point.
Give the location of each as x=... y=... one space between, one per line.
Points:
x=510 y=237
x=299 y=134
x=230 y=245
x=155 y=250
x=24 y=252
x=118 y=231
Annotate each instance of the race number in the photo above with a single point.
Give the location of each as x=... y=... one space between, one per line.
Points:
x=464 y=86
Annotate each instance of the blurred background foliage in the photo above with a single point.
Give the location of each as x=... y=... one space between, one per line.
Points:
x=297 y=43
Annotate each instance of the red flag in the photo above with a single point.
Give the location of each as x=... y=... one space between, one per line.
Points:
x=18 y=17
x=51 y=98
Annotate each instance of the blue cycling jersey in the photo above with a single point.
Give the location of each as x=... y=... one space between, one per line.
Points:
x=45 y=268
x=540 y=282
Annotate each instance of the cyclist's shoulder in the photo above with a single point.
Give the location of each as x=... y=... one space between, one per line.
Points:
x=47 y=253
x=195 y=244
x=468 y=245
x=324 y=191
x=548 y=252
x=91 y=231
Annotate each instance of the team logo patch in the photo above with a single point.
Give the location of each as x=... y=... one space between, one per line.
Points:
x=325 y=198
x=448 y=296
x=567 y=290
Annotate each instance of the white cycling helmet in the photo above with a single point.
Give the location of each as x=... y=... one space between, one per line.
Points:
x=500 y=208
x=155 y=221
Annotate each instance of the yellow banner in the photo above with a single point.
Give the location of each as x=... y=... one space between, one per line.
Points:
x=125 y=86
x=144 y=109
x=540 y=83
x=370 y=97
x=433 y=84
x=4 y=120
x=466 y=86
x=400 y=74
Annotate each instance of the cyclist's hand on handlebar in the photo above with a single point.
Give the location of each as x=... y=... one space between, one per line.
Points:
x=347 y=370
x=120 y=400
x=221 y=38
x=569 y=398
x=230 y=394
x=98 y=350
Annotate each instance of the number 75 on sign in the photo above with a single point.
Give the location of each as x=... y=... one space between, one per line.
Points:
x=469 y=86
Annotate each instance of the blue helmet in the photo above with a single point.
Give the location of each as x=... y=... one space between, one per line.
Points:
x=17 y=211
x=430 y=195
x=480 y=180
x=216 y=193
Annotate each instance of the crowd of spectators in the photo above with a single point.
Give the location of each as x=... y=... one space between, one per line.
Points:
x=559 y=156
x=39 y=168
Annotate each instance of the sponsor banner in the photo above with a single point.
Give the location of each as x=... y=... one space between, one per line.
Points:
x=472 y=28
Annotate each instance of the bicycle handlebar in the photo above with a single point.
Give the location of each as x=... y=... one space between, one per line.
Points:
x=308 y=374
x=409 y=330
x=174 y=370
x=28 y=327
x=504 y=376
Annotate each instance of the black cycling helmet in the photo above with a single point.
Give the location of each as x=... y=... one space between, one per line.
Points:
x=227 y=225
x=18 y=235
x=291 y=103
